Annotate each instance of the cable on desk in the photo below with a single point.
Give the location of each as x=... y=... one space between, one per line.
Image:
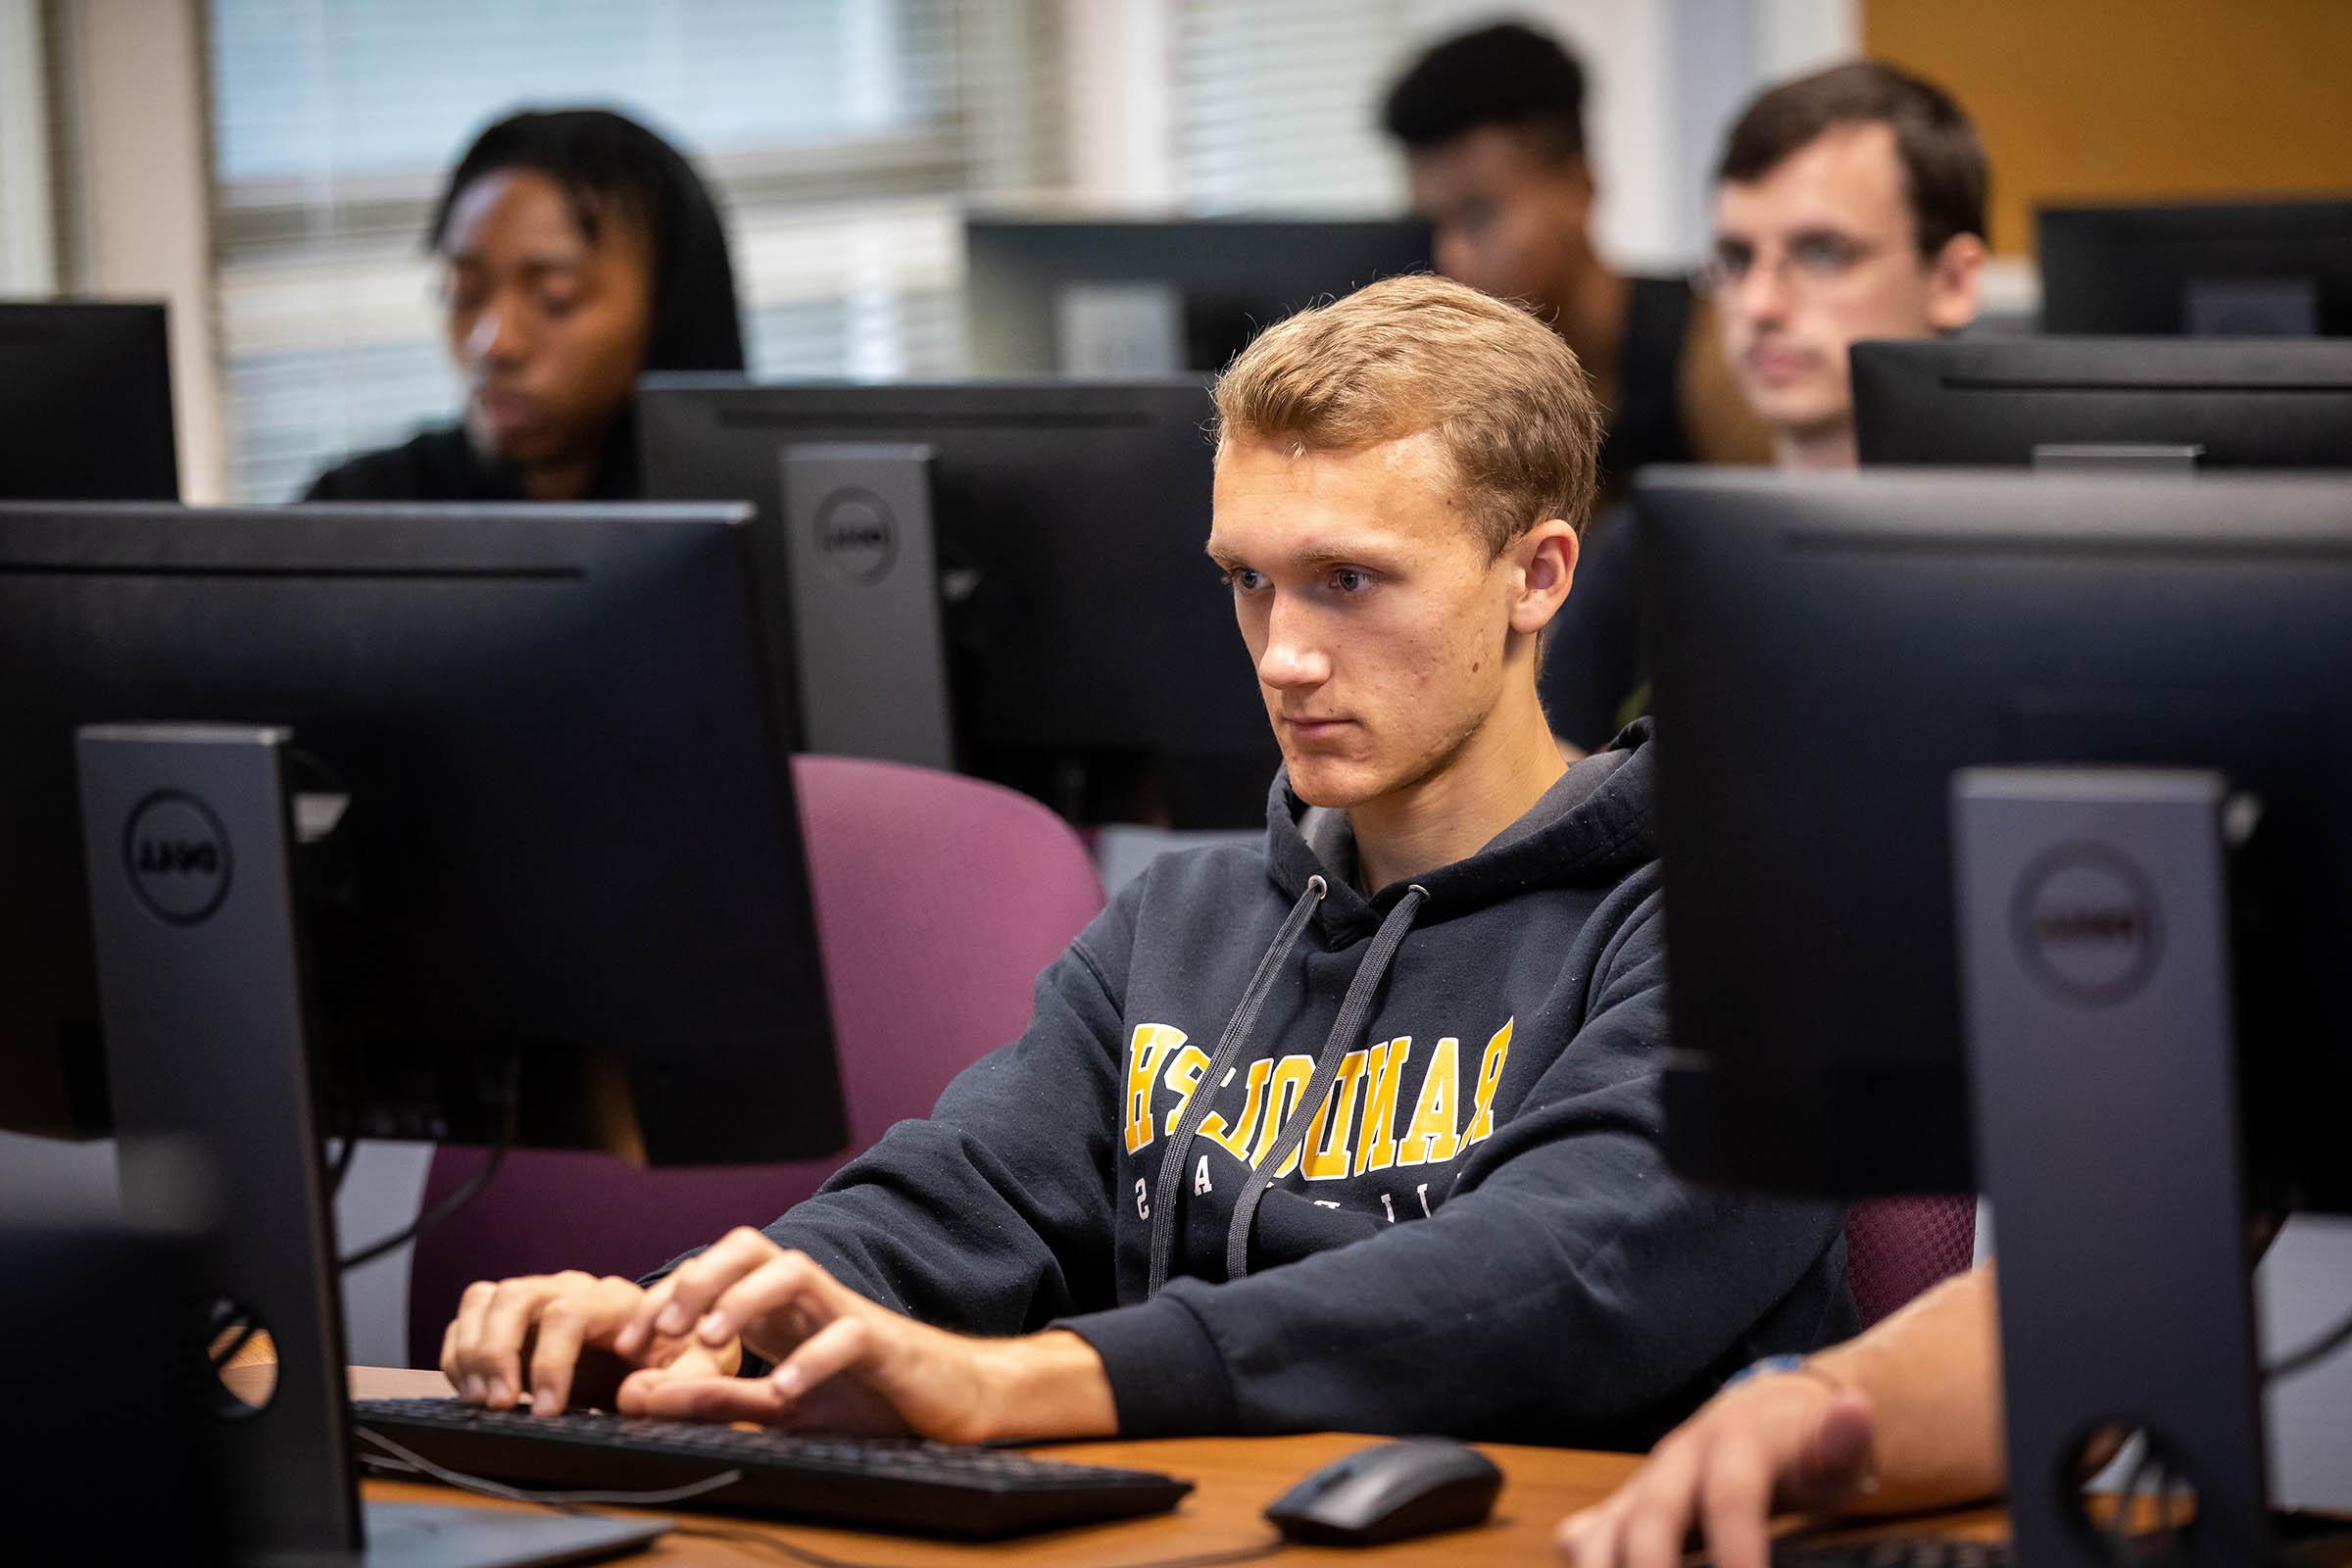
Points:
x=404 y=1460
x=562 y=1502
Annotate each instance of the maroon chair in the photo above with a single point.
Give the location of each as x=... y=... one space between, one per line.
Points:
x=938 y=899
x=1897 y=1247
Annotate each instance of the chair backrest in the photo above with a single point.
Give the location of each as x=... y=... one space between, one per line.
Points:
x=1897 y=1247
x=938 y=899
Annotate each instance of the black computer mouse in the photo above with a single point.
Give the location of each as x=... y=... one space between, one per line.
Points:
x=1389 y=1492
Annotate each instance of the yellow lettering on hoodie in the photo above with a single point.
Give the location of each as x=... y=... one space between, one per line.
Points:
x=1328 y=1135
x=1490 y=1079
x=1376 y=1149
x=1183 y=1077
x=1235 y=1141
x=1290 y=1081
x=1431 y=1139
x=1144 y=1048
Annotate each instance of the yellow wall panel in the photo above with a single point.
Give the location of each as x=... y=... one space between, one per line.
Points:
x=2085 y=100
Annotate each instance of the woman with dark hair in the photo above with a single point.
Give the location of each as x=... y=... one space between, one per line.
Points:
x=579 y=250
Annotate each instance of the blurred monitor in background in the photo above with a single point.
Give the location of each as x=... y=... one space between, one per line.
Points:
x=578 y=251
x=85 y=403
x=1016 y=565
x=2165 y=405
x=2208 y=269
x=1848 y=204
x=1146 y=297
x=1493 y=127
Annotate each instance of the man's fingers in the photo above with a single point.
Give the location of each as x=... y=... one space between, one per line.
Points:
x=1735 y=1504
x=667 y=1393
x=1838 y=1460
x=636 y=1336
x=1656 y=1519
x=761 y=1297
x=465 y=1331
x=1588 y=1540
x=833 y=1350
x=697 y=1282
x=512 y=1316
x=567 y=1325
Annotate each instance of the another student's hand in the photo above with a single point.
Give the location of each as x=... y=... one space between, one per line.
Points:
x=1781 y=1441
x=561 y=1327
x=845 y=1364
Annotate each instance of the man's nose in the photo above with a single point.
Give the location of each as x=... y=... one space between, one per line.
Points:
x=1293 y=655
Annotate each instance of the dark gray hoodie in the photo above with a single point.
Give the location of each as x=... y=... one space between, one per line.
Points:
x=1291 y=1158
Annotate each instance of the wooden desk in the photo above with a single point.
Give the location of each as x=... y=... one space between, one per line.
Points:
x=1233 y=1478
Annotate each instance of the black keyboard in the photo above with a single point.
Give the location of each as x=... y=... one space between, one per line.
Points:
x=898 y=1485
x=1913 y=1553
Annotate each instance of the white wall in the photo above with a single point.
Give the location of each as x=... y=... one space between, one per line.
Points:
x=28 y=243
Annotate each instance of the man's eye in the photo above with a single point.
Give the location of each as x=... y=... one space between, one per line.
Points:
x=1731 y=263
x=1348 y=580
x=1245 y=581
x=1824 y=255
x=559 y=305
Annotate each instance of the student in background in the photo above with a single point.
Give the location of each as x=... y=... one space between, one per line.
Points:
x=1493 y=127
x=1355 y=1130
x=1850 y=204
x=577 y=250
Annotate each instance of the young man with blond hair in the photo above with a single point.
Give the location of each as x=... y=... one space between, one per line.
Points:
x=1357 y=1129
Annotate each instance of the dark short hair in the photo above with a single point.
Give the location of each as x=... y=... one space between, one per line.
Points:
x=1943 y=162
x=612 y=167
x=1506 y=74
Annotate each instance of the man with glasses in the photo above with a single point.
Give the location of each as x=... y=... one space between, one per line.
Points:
x=1850 y=204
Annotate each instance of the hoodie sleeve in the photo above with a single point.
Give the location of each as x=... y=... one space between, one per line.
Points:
x=994 y=1214
x=1569 y=1287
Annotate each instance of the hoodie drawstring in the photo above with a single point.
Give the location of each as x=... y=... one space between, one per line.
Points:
x=1356 y=1012
x=1195 y=1110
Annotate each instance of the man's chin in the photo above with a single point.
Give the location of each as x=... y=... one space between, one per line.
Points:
x=1335 y=785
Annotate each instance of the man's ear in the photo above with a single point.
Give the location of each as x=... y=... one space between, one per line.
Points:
x=1956 y=283
x=1547 y=567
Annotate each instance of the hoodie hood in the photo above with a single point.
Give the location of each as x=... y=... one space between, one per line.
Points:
x=1590 y=828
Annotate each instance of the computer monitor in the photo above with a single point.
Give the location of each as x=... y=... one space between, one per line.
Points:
x=2024 y=802
x=2164 y=404
x=1005 y=577
x=469 y=822
x=2206 y=269
x=85 y=403
x=1109 y=296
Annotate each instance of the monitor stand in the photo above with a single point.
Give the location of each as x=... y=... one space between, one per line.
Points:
x=186 y=835
x=864 y=574
x=2094 y=926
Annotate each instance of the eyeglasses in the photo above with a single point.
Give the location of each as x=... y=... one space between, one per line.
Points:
x=1810 y=264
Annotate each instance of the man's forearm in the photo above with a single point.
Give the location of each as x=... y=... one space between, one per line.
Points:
x=1932 y=1372
x=1048 y=1385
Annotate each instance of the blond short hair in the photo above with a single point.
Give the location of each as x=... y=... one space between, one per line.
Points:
x=1505 y=397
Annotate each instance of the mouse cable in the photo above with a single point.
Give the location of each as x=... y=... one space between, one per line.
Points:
x=403 y=1460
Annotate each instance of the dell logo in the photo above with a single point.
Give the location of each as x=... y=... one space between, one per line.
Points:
x=2086 y=925
x=856 y=538
x=178 y=856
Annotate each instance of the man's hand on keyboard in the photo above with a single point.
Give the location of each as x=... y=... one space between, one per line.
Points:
x=1781 y=1441
x=845 y=1364
x=560 y=1328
